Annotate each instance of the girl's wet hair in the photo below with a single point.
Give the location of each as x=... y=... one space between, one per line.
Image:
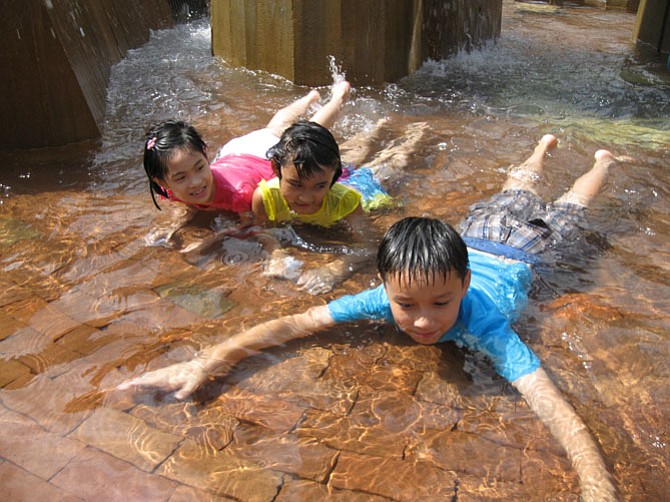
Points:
x=310 y=147
x=422 y=249
x=160 y=144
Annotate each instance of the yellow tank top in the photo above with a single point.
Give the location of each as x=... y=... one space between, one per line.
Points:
x=339 y=202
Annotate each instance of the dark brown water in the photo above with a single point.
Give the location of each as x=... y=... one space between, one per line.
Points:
x=357 y=413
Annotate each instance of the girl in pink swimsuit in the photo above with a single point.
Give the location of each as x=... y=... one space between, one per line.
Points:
x=177 y=164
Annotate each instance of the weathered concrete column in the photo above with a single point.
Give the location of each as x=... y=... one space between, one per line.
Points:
x=56 y=57
x=652 y=25
x=373 y=40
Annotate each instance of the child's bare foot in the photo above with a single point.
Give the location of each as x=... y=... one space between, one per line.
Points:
x=526 y=176
x=606 y=159
x=601 y=154
x=328 y=113
x=388 y=162
x=308 y=100
x=548 y=142
x=341 y=90
x=289 y=114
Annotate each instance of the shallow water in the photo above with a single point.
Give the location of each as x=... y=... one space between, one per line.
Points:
x=356 y=413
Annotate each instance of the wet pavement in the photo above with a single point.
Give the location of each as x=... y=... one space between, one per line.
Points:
x=356 y=413
x=348 y=415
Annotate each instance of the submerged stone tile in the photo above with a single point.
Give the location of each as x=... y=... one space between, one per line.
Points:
x=477 y=489
x=413 y=356
x=221 y=473
x=381 y=424
x=11 y=370
x=51 y=321
x=301 y=489
x=25 y=341
x=89 y=373
x=520 y=428
x=15 y=482
x=393 y=478
x=553 y=472
x=294 y=378
x=94 y=475
x=287 y=453
x=44 y=401
x=84 y=339
x=578 y=307
x=83 y=308
x=207 y=427
x=127 y=438
x=340 y=433
x=265 y=410
x=13 y=230
x=12 y=293
x=160 y=315
x=467 y=453
x=9 y=325
x=345 y=366
x=210 y=303
x=104 y=270
x=385 y=377
x=24 y=310
x=52 y=358
x=436 y=389
x=23 y=442
x=185 y=493
x=20 y=382
x=435 y=417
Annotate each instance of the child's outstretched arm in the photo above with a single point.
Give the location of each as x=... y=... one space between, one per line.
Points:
x=324 y=279
x=566 y=426
x=184 y=378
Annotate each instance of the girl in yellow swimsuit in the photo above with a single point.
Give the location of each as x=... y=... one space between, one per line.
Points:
x=311 y=184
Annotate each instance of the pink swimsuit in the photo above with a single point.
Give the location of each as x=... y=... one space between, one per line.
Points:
x=236 y=177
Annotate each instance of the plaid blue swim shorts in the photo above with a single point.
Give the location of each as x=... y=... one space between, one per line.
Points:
x=521 y=219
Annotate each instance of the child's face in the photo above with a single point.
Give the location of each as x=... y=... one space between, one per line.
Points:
x=426 y=310
x=305 y=196
x=189 y=177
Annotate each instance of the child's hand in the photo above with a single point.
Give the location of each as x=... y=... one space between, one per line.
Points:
x=281 y=265
x=182 y=379
x=318 y=281
x=160 y=237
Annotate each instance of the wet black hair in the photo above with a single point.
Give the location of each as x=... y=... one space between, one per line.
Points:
x=310 y=147
x=419 y=248
x=160 y=144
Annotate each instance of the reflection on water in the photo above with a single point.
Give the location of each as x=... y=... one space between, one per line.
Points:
x=85 y=302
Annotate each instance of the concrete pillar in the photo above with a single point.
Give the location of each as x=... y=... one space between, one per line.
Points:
x=652 y=24
x=628 y=5
x=56 y=57
x=373 y=41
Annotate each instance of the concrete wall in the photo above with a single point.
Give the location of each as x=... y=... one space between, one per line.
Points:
x=652 y=25
x=628 y=5
x=56 y=57
x=373 y=40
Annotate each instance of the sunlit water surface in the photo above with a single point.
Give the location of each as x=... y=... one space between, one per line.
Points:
x=87 y=303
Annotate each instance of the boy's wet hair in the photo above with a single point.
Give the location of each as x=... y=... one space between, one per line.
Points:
x=415 y=249
x=161 y=143
x=310 y=147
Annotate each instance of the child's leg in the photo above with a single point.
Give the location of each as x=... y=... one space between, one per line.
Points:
x=589 y=184
x=328 y=113
x=289 y=114
x=388 y=164
x=526 y=176
x=356 y=149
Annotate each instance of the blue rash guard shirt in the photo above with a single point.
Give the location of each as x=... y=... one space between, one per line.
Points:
x=497 y=294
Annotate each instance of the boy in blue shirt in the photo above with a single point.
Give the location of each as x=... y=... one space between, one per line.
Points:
x=434 y=289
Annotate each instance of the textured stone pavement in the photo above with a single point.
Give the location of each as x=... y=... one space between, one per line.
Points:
x=352 y=414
